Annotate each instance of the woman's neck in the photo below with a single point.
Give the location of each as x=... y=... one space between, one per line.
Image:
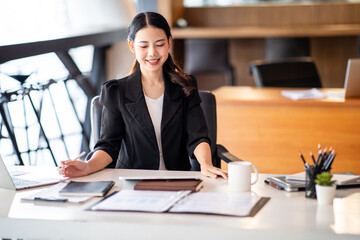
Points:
x=152 y=77
x=153 y=84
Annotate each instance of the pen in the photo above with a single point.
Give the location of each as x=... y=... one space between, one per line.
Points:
x=312 y=157
x=327 y=159
x=51 y=199
x=326 y=154
x=62 y=167
x=322 y=159
x=330 y=161
x=303 y=159
x=79 y=156
x=318 y=157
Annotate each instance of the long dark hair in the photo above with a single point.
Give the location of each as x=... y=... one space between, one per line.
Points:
x=176 y=74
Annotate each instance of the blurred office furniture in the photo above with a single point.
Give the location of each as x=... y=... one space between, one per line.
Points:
x=6 y=121
x=89 y=82
x=263 y=127
x=23 y=94
x=290 y=72
x=218 y=152
x=331 y=27
x=279 y=48
x=207 y=56
x=59 y=29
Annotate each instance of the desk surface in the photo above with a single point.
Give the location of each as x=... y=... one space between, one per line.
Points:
x=285 y=216
x=269 y=95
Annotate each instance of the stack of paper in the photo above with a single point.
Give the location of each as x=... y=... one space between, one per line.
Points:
x=51 y=194
x=303 y=94
x=149 y=201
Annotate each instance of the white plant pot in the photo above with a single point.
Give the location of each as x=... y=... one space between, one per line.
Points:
x=325 y=194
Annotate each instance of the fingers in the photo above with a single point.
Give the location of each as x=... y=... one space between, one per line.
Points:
x=220 y=172
x=71 y=168
x=214 y=172
x=63 y=166
x=209 y=174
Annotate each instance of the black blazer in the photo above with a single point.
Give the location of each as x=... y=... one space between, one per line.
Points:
x=127 y=133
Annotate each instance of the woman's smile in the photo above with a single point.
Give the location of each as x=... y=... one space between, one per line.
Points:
x=153 y=61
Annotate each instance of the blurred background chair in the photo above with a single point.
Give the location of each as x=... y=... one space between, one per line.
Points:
x=208 y=56
x=218 y=152
x=280 y=48
x=291 y=72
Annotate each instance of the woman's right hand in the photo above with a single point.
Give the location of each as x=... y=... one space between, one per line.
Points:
x=73 y=168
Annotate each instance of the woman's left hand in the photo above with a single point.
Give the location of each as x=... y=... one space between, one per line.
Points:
x=209 y=170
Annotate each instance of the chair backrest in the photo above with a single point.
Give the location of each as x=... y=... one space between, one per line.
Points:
x=292 y=72
x=95 y=120
x=208 y=106
x=204 y=56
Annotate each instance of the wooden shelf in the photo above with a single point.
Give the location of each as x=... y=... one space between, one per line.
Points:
x=330 y=30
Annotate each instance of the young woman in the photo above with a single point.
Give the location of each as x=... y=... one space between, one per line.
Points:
x=152 y=118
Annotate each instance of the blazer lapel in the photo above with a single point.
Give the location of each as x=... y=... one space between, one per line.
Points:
x=137 y=106
x=172 y=101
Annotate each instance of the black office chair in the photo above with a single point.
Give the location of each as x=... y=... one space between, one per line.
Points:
x=280 y=47
x=208 y=105
x=207 y=56
x=292 y=72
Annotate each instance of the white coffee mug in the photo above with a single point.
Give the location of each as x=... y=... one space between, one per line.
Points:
x=239 y=176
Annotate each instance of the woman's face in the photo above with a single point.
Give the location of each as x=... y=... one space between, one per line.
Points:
x=151 y=48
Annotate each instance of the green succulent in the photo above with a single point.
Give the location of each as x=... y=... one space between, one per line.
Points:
x=324 y=179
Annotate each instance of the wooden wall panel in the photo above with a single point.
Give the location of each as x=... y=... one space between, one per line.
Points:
x=331 y=56
x=274 y=14
x=241 y=53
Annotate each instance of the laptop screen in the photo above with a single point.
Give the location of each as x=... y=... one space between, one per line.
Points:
x=352 y=78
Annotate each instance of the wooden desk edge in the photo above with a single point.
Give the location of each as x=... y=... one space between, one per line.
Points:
x=272 y=96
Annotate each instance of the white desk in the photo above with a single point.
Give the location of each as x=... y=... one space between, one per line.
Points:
x=285 y=216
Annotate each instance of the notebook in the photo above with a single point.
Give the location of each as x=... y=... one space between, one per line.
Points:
x=135 y=174
x=352 y=78
x=96 y=188
x=193 y=185
x=27 y=180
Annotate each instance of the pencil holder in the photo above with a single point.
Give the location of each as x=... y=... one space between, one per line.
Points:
x=310 y=182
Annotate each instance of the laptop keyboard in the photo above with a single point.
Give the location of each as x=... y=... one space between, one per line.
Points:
x=23 y=182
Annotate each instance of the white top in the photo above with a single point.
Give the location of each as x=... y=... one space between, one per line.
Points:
x=155 y=107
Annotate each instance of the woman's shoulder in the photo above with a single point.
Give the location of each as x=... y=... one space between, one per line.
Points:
x=114 y=83
x=112 y=90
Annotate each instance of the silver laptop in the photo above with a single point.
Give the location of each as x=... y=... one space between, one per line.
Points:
x=352 y=78
x=17 y=183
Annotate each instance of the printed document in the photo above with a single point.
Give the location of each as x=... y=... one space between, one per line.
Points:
x=148 y=201
x=234 y=204
x=231 y=204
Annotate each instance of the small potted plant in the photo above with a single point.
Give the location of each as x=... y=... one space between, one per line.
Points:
x=325 y=188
